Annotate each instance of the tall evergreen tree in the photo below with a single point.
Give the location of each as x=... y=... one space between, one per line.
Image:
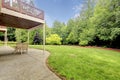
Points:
x=37 y=39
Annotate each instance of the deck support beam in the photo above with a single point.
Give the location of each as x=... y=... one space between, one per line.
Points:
x=5 y=38
x=28 y=37
x=44 y=38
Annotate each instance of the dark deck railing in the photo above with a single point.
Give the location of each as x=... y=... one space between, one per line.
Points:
x=23 y=7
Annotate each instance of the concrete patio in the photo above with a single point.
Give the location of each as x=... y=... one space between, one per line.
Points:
x=31 y=66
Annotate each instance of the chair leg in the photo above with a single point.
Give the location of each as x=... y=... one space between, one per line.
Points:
x=14 y=52
x=27 y=51
x=21 y=51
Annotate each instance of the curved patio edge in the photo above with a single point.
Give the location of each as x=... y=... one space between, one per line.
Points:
x=52 y=70
x=31 y=66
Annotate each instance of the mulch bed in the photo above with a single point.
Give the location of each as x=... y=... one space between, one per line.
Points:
x=113 y=49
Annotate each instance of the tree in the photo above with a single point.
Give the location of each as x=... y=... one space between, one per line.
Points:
x=21 y=35
x=33 y=32
x=37 y=39
x=40 y=33
x=60 y=29
x=98 y=23
x=48 y=30
x=1 y=36
x=72 y=32
x=64 y=34
x=11 y=34
x=86 y=29
x=57 y=26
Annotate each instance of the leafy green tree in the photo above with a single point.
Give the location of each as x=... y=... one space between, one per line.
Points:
x=64 y=34
x=101 y=20
x=57 y=26
x=106 y=19
x=21 y=35
x=72 y=32
x=60 y=29
x=33 y=33
x=1 y=36
x=48 y=30
x=87 y=36
x=40 y=32
x=11 y=34
x=86 y=29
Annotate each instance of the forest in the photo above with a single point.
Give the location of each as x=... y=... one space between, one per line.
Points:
x=98 y=24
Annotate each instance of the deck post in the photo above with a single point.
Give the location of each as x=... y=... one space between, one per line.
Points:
x=5 y=38
x=28 y=37
x=44 y=38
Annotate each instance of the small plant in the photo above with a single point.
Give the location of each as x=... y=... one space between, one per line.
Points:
x=54 y=39
x=83 y=43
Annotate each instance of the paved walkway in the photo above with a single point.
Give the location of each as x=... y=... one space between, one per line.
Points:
x=29 y=66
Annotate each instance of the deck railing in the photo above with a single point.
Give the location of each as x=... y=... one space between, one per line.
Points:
x=22 y=7
x=3 y=27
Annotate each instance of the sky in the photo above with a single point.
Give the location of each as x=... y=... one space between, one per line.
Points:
x=60 y=10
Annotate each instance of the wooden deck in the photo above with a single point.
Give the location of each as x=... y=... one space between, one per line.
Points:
x=18 y=14
x=3 y=29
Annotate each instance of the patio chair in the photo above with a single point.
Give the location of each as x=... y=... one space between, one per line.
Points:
x=21 y=47
x=24 y=47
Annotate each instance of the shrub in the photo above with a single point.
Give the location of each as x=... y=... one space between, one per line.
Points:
x=54 y=39
x=83 y=43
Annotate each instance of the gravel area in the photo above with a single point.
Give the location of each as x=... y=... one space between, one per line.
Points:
x=31 y=66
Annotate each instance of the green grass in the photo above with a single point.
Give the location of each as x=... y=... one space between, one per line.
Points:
x=10 y=43
x=77 y=63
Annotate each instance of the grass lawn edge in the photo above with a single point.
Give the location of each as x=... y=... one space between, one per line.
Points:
x=49 y=67
x=52 y=70
x=59 y=75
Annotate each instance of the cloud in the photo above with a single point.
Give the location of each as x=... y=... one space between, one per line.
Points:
x=76 y=15
x=78 y=8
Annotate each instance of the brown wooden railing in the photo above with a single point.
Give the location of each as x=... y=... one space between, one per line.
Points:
x=23 y=7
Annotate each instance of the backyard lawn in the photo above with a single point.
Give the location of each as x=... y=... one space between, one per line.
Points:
x=80 y=63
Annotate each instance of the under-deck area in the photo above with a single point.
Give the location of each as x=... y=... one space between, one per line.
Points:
x=31 y=66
